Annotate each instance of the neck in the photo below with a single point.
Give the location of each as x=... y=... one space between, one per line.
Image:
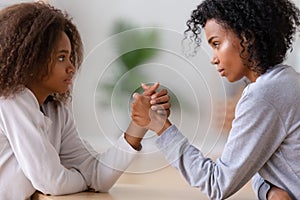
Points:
x=39 y=95
x=252 y=76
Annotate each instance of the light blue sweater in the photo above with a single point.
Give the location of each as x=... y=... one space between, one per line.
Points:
x=264 y=141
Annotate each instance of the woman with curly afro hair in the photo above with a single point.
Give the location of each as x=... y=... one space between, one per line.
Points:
x=249 y=38
x=40 y=148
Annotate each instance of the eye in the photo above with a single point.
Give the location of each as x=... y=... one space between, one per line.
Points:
x=61 y=58
x=216 y=44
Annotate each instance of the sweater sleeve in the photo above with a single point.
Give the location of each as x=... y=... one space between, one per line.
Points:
x=260 y=187
x=100 y=170
x=27 y=131
x=255 y=135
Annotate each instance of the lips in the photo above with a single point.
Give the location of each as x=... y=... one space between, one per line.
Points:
x=68 y=80
x=221 y=71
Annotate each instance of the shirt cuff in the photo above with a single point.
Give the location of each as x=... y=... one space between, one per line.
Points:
x=172 y=143
x=263 y=191
x=124 y=145
x=170 y=134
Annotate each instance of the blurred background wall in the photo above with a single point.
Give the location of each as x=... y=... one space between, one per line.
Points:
x=150 y=50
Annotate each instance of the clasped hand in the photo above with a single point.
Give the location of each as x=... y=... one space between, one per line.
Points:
x=151 y=111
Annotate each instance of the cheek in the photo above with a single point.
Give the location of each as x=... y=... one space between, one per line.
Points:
x=225 y=51
x=227 y=58
x=232 y=57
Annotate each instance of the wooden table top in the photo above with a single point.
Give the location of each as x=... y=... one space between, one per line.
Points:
x=165 y=184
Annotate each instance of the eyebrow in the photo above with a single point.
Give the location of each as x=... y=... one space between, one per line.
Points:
x=63 y=51
x=210 y=39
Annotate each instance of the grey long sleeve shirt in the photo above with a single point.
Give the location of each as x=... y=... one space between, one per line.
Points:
x=264 y=139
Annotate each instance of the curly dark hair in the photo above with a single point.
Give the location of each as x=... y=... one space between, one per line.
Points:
x=29 y=33
x=268 y=26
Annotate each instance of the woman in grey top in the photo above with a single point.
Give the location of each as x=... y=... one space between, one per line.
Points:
x=248 y=39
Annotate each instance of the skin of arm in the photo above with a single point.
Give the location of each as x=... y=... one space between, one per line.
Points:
x=276 y=193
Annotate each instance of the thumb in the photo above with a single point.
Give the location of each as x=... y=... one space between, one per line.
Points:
x=136 y=96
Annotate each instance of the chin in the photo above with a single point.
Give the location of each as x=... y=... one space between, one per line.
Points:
x=62 y=91
x=232 y=80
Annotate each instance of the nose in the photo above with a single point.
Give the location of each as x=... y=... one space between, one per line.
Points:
x=71 y=69
x=214 y=60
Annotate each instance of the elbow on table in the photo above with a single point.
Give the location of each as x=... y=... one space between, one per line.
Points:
x=213 y=192
x=104 y=188
x=50 y=190
x=53 y=187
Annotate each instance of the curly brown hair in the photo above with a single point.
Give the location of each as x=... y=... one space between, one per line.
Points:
x=267 y=26
x=29 y=33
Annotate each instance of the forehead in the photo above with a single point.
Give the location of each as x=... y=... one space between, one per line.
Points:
x=64 y=42
x=215 y=29
x=212 y=27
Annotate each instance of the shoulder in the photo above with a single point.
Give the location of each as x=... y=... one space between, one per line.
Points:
x=279 y=88
x=24 y=99
x=281 y=82
x=20 y=110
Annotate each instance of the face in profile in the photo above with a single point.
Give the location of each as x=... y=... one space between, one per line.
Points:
x=59 y=78
x=226 y=50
